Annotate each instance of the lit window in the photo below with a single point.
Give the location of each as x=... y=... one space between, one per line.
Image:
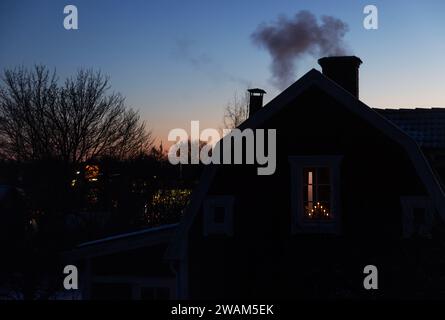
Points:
x=91 y=172
x=315 y=193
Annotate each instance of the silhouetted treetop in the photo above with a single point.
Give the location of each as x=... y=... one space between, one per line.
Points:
x=75 y=121
x=236 y=110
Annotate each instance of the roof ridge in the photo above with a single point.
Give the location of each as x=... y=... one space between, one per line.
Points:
x=412 y=109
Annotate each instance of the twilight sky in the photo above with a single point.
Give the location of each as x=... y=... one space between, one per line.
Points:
x=182 y=60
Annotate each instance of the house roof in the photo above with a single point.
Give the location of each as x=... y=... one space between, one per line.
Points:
x=177 y=248
x=425 y=125
x=122 y=242
x=147 y=231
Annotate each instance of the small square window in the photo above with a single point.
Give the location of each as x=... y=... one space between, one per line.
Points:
x=218 y=215
x=417 y=216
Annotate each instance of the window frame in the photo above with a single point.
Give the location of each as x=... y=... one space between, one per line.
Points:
x=209 y=225
x=316 y=186
x=299 y=222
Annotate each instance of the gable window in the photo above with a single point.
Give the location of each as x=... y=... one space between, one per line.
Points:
x=218 y=215
x=417 y=216
x=315 y=194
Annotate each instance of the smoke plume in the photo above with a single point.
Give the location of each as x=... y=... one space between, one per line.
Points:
x=288 y=40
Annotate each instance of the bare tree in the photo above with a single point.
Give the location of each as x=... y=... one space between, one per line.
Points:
x=73 y=122
x=236 y=111
x=25 y=97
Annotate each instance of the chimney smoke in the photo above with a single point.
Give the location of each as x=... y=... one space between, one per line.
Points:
x=288 y=40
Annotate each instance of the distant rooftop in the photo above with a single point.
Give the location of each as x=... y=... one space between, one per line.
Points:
x=146 y=231
x=425 y=125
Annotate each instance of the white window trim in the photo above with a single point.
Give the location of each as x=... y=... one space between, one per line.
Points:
x=210 y=227
x=299 y=224
x=409 y=203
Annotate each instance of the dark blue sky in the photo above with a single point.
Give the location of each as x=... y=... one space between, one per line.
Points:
x=178 y=61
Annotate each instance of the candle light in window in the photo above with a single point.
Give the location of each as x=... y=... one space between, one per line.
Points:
x=310 y=190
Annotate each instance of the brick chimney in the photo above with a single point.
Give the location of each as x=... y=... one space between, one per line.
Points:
x=343 y=70
x=256 y=100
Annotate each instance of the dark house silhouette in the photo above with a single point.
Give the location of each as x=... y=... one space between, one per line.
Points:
x=12 y=226
x=353 y=186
